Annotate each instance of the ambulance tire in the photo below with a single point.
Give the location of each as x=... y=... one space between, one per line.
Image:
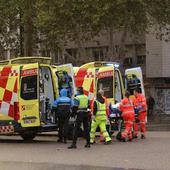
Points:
x=28 y=136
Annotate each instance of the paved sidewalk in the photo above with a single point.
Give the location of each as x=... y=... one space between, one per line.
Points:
x=45 y=153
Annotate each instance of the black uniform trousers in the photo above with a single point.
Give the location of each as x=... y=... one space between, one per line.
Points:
x=82 y=117
x=63 y=115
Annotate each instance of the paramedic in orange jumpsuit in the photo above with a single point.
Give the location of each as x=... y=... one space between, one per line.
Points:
x=141 y=107
x=127 y=108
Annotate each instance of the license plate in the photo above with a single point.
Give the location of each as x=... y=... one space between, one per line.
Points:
x=29 y=121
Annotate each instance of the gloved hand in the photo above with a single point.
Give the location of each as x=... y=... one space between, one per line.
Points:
x=140 y=107
x=136 y=111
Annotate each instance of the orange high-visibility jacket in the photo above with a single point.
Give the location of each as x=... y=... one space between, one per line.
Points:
x=140 y=100
x=126 y=106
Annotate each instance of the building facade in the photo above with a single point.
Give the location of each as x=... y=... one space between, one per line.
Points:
x=158 y=71
x=146 y=51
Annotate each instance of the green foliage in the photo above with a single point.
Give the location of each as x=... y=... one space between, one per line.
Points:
x=88 y=17
x=60 y=21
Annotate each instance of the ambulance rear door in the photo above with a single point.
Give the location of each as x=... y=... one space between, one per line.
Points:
x=29 y=95
x=105 y=82
x=134 y=79
x=66 y=71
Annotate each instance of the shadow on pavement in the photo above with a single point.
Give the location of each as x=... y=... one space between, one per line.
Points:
x=52 y=166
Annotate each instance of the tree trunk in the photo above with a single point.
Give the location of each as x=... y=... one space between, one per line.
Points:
x=81 y=51
x=111 y=44
x=64 y=53
x=122 y=50
x=28 y=28
x=28 y=37
x=21 y=33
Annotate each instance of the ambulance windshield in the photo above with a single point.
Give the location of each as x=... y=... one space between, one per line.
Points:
x=106 y=84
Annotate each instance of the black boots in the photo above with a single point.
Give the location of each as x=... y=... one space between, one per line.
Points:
x=59 y=140
x=143 y=137
x=72 y=147
x=87 y=145
x=108 y=142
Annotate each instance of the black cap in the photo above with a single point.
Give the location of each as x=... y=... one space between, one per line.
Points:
x=127 y=94
x=137 y=90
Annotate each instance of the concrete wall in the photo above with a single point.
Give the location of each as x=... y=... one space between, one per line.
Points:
x=165 y=59
x=153 y=56
x=157 y=56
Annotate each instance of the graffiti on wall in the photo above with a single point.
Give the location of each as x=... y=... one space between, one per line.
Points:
x=163 y=99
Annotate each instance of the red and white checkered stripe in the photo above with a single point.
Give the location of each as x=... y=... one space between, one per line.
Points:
x=14 y=73
x=8 y=89
x=89 y=75
x=6 y=129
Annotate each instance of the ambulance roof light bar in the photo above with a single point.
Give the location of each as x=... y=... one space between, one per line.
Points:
x=28 y=60
x=116 y=65
x=98 y=64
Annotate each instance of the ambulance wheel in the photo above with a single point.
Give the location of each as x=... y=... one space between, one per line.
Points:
x=28 y=136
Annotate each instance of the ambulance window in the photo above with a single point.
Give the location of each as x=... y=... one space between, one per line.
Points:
x=106 y=84
x=29 y=87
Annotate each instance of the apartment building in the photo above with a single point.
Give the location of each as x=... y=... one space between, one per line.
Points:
x=146 y=51
x=158 y=71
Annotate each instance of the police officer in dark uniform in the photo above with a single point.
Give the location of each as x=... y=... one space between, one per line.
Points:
x=82 y=116
x=62 y=107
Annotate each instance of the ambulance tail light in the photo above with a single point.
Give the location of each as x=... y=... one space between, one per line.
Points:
x=16 y=111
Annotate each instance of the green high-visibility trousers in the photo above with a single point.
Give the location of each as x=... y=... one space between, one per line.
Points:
x=102 y=126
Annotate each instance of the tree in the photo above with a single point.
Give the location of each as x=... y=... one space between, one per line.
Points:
x=55 y=23
x=9 y=20
x=17 y=26
x=134 y=17
x=80 y=20
x=68 y=20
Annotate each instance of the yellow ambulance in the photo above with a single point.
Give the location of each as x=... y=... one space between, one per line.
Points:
x=28 y=88
x=100 y=75
x=106 y=76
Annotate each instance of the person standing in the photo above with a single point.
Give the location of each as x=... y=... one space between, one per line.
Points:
x=99 y=119
x=107 y=111
x=82 y=116
x=141 y=108
x=64 y=82
x=62 y=107
x=127 y=109
x=150 y=103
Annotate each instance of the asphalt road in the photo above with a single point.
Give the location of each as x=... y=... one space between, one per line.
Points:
x=45 y=153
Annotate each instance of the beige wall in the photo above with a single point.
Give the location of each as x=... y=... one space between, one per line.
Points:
x=103 y=40
x=166 y=59
x=153 y=56
x=157 y=57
